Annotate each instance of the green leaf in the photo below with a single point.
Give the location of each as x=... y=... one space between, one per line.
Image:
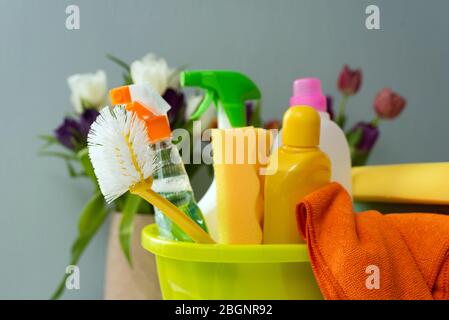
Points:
x=130 y=208
x=71 y=170
x=359 y=157
x=92 y=218
x=354 y=137
x=145 y=208
x=341 y=121
x=192 y=169
x=127 y=75
x=49 y=141
x=119 y=62
x=83 y=157
x=87 y=105
x=119 y=203
x=127 y=79
x=210 y=170
x=341 y=111
x=58 y=154
x=90 y=214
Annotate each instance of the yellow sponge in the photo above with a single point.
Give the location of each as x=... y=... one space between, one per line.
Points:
x=417 y=183
x=239 y=155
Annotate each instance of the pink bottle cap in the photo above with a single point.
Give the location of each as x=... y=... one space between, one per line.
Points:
x=307 y=91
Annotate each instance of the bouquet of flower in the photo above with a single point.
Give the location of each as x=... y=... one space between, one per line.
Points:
x=363 y=135
x=69 y=142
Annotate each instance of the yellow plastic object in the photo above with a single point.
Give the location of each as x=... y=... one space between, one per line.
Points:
x=219 y=271
x=239 y=155
x=418 y=183
x=300 y=168
x=194 y=231
x=301 y=127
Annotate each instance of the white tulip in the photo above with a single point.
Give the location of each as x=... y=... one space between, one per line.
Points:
x=173 y=79
x=88 y=89
x=153 y=70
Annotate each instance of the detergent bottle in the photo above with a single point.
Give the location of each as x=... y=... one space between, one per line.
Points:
x=307 y=91
x=299 y=167
x=228 y=91
x=169 y=178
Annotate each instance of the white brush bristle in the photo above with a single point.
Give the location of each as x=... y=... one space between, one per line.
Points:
x=118 y=142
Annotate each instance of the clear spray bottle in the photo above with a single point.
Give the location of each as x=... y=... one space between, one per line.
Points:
x=170 y=179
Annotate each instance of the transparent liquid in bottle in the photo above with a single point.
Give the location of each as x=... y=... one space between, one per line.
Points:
x=171 y=181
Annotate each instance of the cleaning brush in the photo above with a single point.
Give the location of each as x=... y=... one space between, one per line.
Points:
x=122 y=161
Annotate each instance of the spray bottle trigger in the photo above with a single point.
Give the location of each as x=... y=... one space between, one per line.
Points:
x=209 y=97
x=236 y=114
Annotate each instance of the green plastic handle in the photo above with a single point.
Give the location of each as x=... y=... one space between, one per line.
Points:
x=231 y=88
x=209 y=96
x=236 y=115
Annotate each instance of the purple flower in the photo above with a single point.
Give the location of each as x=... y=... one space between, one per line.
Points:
x=73 y=133
x=368 y=135
x=69 y=133
x=176 y=100
x=86 y=120
x=330 y=106
x=362 y=138
x=249 y=112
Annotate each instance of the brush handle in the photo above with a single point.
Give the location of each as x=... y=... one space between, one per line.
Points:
x=193 y=230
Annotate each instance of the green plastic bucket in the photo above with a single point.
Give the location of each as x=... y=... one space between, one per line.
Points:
x=218 y=271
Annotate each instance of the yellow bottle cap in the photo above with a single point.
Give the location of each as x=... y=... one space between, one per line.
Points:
x=301 y=127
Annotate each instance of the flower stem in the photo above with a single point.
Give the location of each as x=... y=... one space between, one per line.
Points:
x=375 y=122
x=341 y=110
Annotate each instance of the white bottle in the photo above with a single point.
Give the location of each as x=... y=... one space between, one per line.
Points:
x=307 y=91
x=208 y=203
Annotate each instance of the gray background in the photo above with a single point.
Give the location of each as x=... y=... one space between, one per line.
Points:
x=272 y=41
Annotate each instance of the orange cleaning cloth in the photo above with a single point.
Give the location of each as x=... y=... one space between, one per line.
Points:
x=369 y=255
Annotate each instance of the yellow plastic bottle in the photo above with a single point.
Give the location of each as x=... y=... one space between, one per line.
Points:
x=299 y=167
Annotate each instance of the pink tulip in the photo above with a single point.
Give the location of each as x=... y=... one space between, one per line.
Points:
x=388 y=104
x=349 y=81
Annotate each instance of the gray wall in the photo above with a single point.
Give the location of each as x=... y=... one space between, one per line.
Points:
x=272 y=41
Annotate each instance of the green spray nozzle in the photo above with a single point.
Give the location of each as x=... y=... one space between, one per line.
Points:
x=231 y=88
